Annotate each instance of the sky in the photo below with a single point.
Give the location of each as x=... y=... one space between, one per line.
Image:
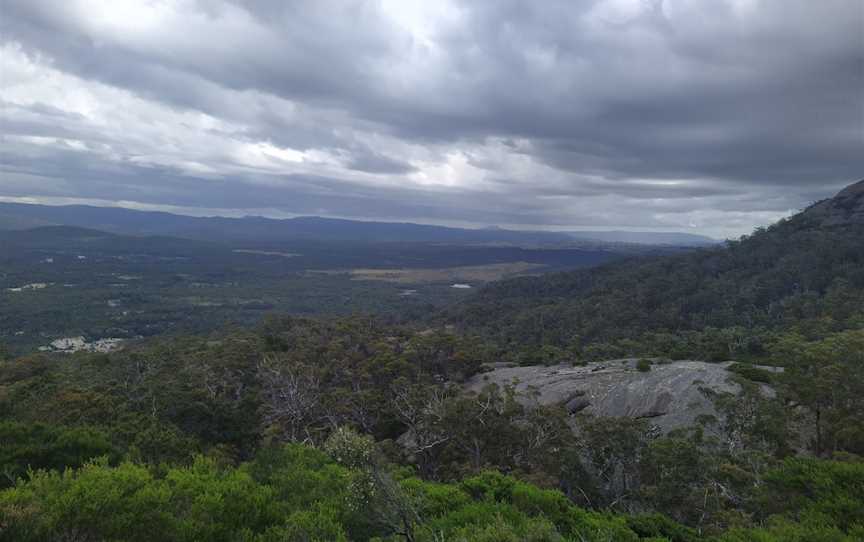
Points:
x=709 y=117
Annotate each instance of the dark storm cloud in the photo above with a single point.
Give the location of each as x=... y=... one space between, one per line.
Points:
x=378 y=163
x=710 y=115
x=302 y=194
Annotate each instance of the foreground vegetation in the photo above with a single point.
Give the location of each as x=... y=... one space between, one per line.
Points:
x=352 y=430
x=296 y=492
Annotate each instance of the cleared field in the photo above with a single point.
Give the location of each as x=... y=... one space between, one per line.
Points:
x=265 y=253
x=469 y=274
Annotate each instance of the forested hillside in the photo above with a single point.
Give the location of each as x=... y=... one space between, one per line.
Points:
x=802 y=275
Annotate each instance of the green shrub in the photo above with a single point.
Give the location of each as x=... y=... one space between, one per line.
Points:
x=42 y=446
x=754 y=374
x=831 y=492
x=661 y=527
x=198 y=502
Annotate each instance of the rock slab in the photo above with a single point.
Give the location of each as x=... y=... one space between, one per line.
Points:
x=670 y=395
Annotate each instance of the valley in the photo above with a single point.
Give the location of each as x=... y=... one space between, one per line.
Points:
x=67 y=281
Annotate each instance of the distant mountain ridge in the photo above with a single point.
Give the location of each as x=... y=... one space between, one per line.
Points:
x=15 y=222
x=124 y=221
x=646 y=238
x=259 y=229
x=56 y=239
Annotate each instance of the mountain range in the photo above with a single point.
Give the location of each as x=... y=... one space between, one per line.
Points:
x=17 y=216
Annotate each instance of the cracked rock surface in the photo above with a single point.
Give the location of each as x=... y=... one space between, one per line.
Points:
x=670 y=394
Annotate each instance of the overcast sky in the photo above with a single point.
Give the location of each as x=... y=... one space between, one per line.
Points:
x=708 y=116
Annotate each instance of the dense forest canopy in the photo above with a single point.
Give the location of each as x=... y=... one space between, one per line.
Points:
x=725 y=303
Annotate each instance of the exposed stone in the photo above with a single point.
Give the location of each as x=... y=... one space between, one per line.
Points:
x=670 y=394
x=577 y=405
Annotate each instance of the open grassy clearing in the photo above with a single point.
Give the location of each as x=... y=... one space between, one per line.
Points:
x=473 y=273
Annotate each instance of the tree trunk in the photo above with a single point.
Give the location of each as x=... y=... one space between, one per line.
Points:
x=818 y=431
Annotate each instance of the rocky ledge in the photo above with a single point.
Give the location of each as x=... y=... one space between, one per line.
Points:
x=671 y=394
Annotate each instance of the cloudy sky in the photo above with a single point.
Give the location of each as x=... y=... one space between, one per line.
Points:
x=690 y=115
